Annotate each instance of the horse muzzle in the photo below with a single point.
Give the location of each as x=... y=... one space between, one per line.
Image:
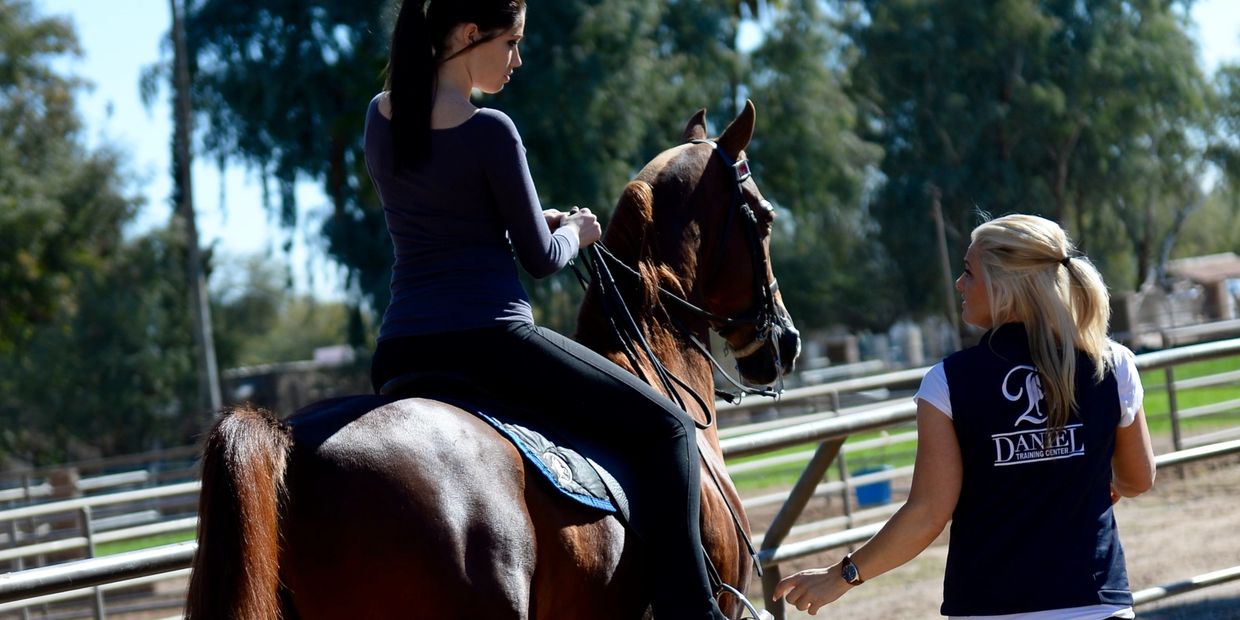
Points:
x=771 y=355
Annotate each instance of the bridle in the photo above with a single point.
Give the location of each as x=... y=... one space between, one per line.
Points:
x=762 y=315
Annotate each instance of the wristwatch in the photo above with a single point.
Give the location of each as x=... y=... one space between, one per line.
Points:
x=849 y=572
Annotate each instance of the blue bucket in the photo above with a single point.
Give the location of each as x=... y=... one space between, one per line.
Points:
x=874 y=493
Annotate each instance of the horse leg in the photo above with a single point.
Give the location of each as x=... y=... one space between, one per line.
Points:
x=413 y=510
x=587 y=566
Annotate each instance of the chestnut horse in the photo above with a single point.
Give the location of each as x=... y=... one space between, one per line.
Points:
x=384 y=507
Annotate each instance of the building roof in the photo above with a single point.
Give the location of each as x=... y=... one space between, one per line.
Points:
x=1206 y=269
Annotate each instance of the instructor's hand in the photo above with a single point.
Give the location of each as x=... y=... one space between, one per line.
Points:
x=810 y=590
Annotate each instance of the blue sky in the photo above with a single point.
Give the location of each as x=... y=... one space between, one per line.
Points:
x=120 y=37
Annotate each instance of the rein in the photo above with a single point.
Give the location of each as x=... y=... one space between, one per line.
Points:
x=627 y=331
x=600 y=252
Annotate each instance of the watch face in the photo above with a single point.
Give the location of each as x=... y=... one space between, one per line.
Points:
x=850 y=572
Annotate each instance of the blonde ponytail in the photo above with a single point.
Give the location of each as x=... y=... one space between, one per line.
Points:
x=1035 y=276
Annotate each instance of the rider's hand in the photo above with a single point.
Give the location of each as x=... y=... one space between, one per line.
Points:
x=555 y=218
x=588 y=228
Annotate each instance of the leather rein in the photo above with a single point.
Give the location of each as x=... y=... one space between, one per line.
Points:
x=762 y=316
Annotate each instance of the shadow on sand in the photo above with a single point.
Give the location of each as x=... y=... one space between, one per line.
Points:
x=1224 y=608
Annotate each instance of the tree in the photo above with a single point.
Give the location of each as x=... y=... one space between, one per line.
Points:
x=92 y=357
x=1021 y=106
x=814 y=166
x=44 y=239
x=282 y=88
x=259 y=320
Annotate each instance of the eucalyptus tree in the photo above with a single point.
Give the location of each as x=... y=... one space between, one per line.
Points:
x=1023 y=105
x=815 y=168
x=94 y=341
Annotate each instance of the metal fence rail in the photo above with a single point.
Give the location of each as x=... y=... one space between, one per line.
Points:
x=95 y=571
x=1157 y=593
x=828 y=432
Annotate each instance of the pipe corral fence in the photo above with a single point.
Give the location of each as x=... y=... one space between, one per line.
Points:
x=826 y=430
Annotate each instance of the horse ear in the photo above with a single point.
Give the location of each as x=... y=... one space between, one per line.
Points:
x=696 y=129
x=738 y=134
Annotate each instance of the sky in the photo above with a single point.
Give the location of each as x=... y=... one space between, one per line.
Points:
x=120 y=37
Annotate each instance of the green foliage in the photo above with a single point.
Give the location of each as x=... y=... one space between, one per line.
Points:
x=1213 y=229
x=105 y=376
x=94 y=345
x=44 y=239
x=809 y=158
x=1082 y=112
x=258 y=320
x=1093 y=113
x=283 y=88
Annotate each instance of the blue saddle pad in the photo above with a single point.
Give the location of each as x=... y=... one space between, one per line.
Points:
x=573 y=474
x=569 y=472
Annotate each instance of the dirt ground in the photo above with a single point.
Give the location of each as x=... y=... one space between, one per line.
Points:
x=1186 y=526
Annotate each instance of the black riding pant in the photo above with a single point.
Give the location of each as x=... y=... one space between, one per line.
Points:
x=588 y=399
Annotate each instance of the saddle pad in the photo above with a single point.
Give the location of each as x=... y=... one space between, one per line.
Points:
x=572 y=474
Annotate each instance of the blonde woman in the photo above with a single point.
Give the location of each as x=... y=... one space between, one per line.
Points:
x=1025 y=441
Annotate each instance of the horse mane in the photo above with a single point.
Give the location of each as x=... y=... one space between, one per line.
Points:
x=629 y=238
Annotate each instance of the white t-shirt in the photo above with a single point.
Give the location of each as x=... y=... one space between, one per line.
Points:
x=1131 y=395
x=934 y=391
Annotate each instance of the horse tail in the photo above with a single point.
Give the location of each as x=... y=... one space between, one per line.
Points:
x=236 y=570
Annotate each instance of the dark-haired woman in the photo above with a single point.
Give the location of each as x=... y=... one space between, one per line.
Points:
x=459 y=202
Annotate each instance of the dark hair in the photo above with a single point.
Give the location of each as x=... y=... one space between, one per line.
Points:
x=418 y=46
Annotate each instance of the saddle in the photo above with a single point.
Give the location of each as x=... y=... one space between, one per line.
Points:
x=569 y=472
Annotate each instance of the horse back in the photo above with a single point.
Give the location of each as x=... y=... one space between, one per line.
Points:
x=408 y=505
x=428 y=512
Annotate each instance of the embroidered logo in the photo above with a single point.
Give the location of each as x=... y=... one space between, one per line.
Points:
x=1037 y=444
x=1030 y=389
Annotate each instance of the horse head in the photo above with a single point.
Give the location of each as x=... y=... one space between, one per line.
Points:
x=703 y=229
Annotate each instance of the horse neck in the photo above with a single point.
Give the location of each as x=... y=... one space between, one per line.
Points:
x=673 y=348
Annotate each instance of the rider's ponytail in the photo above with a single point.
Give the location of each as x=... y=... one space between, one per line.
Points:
x=419 y=45
x=411 y=73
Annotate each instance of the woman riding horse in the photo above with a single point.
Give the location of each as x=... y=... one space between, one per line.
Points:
x=436 y=529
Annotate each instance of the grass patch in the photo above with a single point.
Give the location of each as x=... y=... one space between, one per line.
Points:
x=137 y=544
x=784 y=475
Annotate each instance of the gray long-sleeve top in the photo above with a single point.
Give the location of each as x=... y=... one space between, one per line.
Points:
x=451 y=219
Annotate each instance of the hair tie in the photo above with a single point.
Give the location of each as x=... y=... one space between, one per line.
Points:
x=1064 y=261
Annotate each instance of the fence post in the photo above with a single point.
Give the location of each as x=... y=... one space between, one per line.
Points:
x=844 y=491
x=88 y=529
x=19 y=563
x=800 y=495
x=1176 y=440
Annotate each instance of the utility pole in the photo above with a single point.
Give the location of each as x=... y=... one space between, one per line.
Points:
x=949 y=296
x=208 y=373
